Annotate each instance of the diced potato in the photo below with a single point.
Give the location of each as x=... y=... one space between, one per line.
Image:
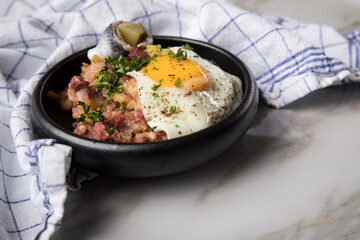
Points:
x=96 y=58
x=165 y=52
x=66 y=105
x=131 y=104
x=52 y=95
x=121 y=97
x=132 y=33
x=153 y=49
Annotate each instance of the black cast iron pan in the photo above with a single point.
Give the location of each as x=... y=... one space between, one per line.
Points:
x=144 y=159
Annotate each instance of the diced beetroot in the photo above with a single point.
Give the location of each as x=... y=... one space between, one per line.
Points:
x=81 y=130
x=141 y=140
x=139 y=113
x=100 y=132
x=138 y=52
x=110 y=122
x=76 y=83
x=119 y=118
x=161 y=135
x=116 y=136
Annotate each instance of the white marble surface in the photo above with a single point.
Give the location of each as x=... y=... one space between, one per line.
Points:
x=343 y=15
x=295 y=174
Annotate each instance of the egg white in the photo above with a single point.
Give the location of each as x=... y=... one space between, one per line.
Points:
x=195 y=110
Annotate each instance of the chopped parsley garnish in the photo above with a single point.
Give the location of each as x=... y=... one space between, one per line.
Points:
x=156 y=86
x=153 y=128
x=117 y=89
x=196 y=56
x=154 y=68
x=179 y=55
x=111 y=130
x=171 y=54
x=86 y=107
x=178 y=83
x=123 y=65
x=121 y=106
x=153 y=58
x=94 y=115
x=176 y=125
x=187 y=47
x=155 y=95
x=183 y=56
x=172 y=110
x=81 y=118
x=109 y=97
x=132 y=109
x=108 y=77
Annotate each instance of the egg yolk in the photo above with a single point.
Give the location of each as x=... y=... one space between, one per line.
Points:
x=173 y=72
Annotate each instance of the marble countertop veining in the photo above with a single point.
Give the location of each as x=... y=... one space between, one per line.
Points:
x=294 y=175
x=343 y=15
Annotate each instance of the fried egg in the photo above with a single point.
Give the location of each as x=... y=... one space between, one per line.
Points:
x=184 y=95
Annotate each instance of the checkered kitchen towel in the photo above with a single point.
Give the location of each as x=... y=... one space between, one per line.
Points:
x=289 y=59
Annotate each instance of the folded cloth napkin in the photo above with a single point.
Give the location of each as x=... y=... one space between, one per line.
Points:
x=289 y=59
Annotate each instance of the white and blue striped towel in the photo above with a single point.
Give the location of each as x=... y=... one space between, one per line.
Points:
x=288 y=59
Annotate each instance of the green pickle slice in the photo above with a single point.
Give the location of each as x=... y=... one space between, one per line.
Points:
x=132 y=33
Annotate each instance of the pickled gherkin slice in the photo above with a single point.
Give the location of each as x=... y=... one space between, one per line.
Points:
x=132 y=33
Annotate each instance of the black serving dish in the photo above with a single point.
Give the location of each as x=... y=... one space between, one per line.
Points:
x=144 y=159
